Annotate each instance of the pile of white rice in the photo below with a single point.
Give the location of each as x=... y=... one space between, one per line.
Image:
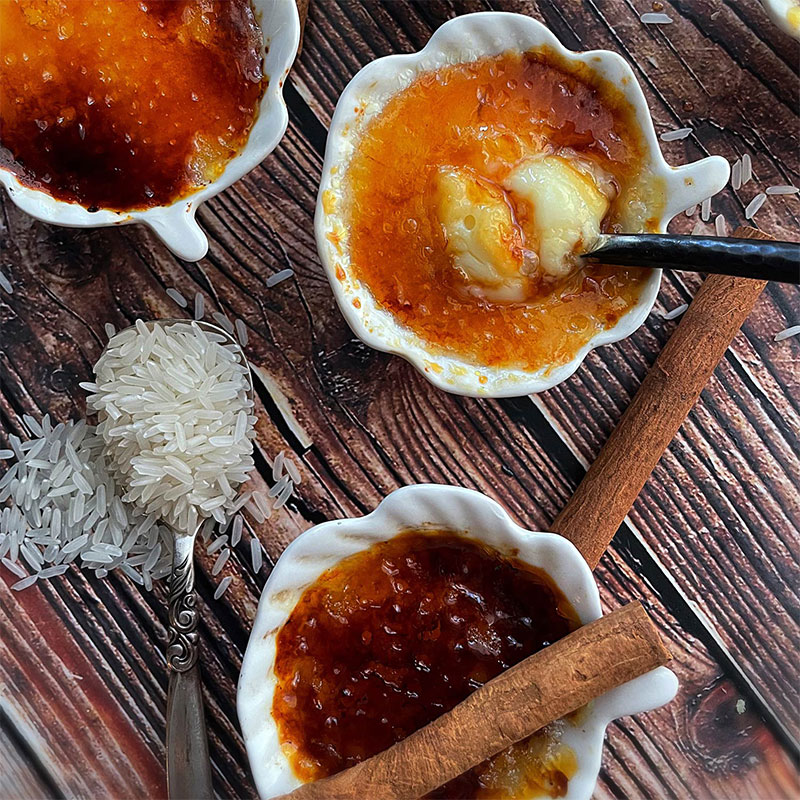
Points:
x=176 y=418
x=65 y=508
x=173 y=443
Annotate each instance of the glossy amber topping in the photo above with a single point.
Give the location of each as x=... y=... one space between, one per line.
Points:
x=507 y=127
x=126 y=104
x=393 y=636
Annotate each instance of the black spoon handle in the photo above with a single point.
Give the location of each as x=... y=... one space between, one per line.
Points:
x=743 y=258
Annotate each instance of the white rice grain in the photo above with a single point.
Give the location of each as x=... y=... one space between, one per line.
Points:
x=256 y=557
x=787 y=333
x=180 y=442
x=783 y=189
x=294 y=472
x=736 y=175
x=673 y=136
x=754 y=205
x=651 y=18
x=223 y=587
x=284 y=496
x=277 y=466
x=236 y=531
x=705 y=209
x=720 y=225
x=221 y=561
x=223 y=321
x=241 y=332
x=199 y=306
x=175 y=295
x=12 y=566
x=24 y=583
x=279 y=277
x=676 y=312
x=5 y=283
x=217 y=544
x=747 y=169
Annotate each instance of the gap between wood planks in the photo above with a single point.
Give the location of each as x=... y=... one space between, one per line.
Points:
x=630 y=543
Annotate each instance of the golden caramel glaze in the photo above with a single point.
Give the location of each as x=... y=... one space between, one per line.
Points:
x=488 y=116
x=126 y=105
x=394 y=636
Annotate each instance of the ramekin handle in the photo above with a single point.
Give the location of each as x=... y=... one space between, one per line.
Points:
x=180 y=232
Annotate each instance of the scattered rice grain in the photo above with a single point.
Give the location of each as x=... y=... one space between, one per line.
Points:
x=754 y=205
x=747 y=169
x=783 y=189
x=241 y=332
x=221 y=561
x=223 y=587
x=279 y=277
x=651 y=18
x=736 y=175
x=236 y=531
x=222 y=321
x=673 y=136
x=175 y=295
x=676 y=312
x=12 y=566
x=25 y=583
x=5 y=283
x=294 y=472
x=787 y=333
x=256 y=556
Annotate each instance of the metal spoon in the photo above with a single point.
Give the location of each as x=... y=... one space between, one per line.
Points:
x=743 y=258
x=188 y=763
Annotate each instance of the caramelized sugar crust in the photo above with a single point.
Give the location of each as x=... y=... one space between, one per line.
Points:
x=128 y=104
x=392 y=637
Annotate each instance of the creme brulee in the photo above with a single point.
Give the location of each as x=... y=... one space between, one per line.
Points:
x=126 y=104
x=394 y=636
x=470 y=195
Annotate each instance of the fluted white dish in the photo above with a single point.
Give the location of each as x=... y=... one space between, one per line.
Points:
x=460 y=40
x=175 y=224
x=435 y=507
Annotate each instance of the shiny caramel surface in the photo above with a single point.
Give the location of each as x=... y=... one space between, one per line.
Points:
x=393 y=636
x=487 y=116
x=126 y=104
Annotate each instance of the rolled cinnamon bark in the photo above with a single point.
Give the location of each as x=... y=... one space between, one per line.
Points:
x=670 y=389
x=544 y=687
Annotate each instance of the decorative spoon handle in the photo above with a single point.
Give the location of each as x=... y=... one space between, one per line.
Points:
x=742 y=258
x=188 y=765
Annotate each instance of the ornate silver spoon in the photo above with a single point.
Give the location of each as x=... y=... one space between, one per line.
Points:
x=188 y=764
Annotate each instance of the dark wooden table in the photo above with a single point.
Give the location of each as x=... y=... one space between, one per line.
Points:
x=711 y=546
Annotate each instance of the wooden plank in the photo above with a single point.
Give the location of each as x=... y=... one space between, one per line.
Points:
x=20 y=777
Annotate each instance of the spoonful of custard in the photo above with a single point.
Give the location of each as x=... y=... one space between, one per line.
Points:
x=504 y=239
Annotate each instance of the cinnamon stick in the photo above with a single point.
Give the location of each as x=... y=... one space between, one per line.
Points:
x=544 y=687
x=608 y=490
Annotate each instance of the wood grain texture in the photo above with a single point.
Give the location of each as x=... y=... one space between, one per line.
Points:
x=711 y=547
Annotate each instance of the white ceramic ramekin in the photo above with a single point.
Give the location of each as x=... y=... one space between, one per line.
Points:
x=175 y=224
x=435 y=507
x=785 y=14
x=461 y=40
